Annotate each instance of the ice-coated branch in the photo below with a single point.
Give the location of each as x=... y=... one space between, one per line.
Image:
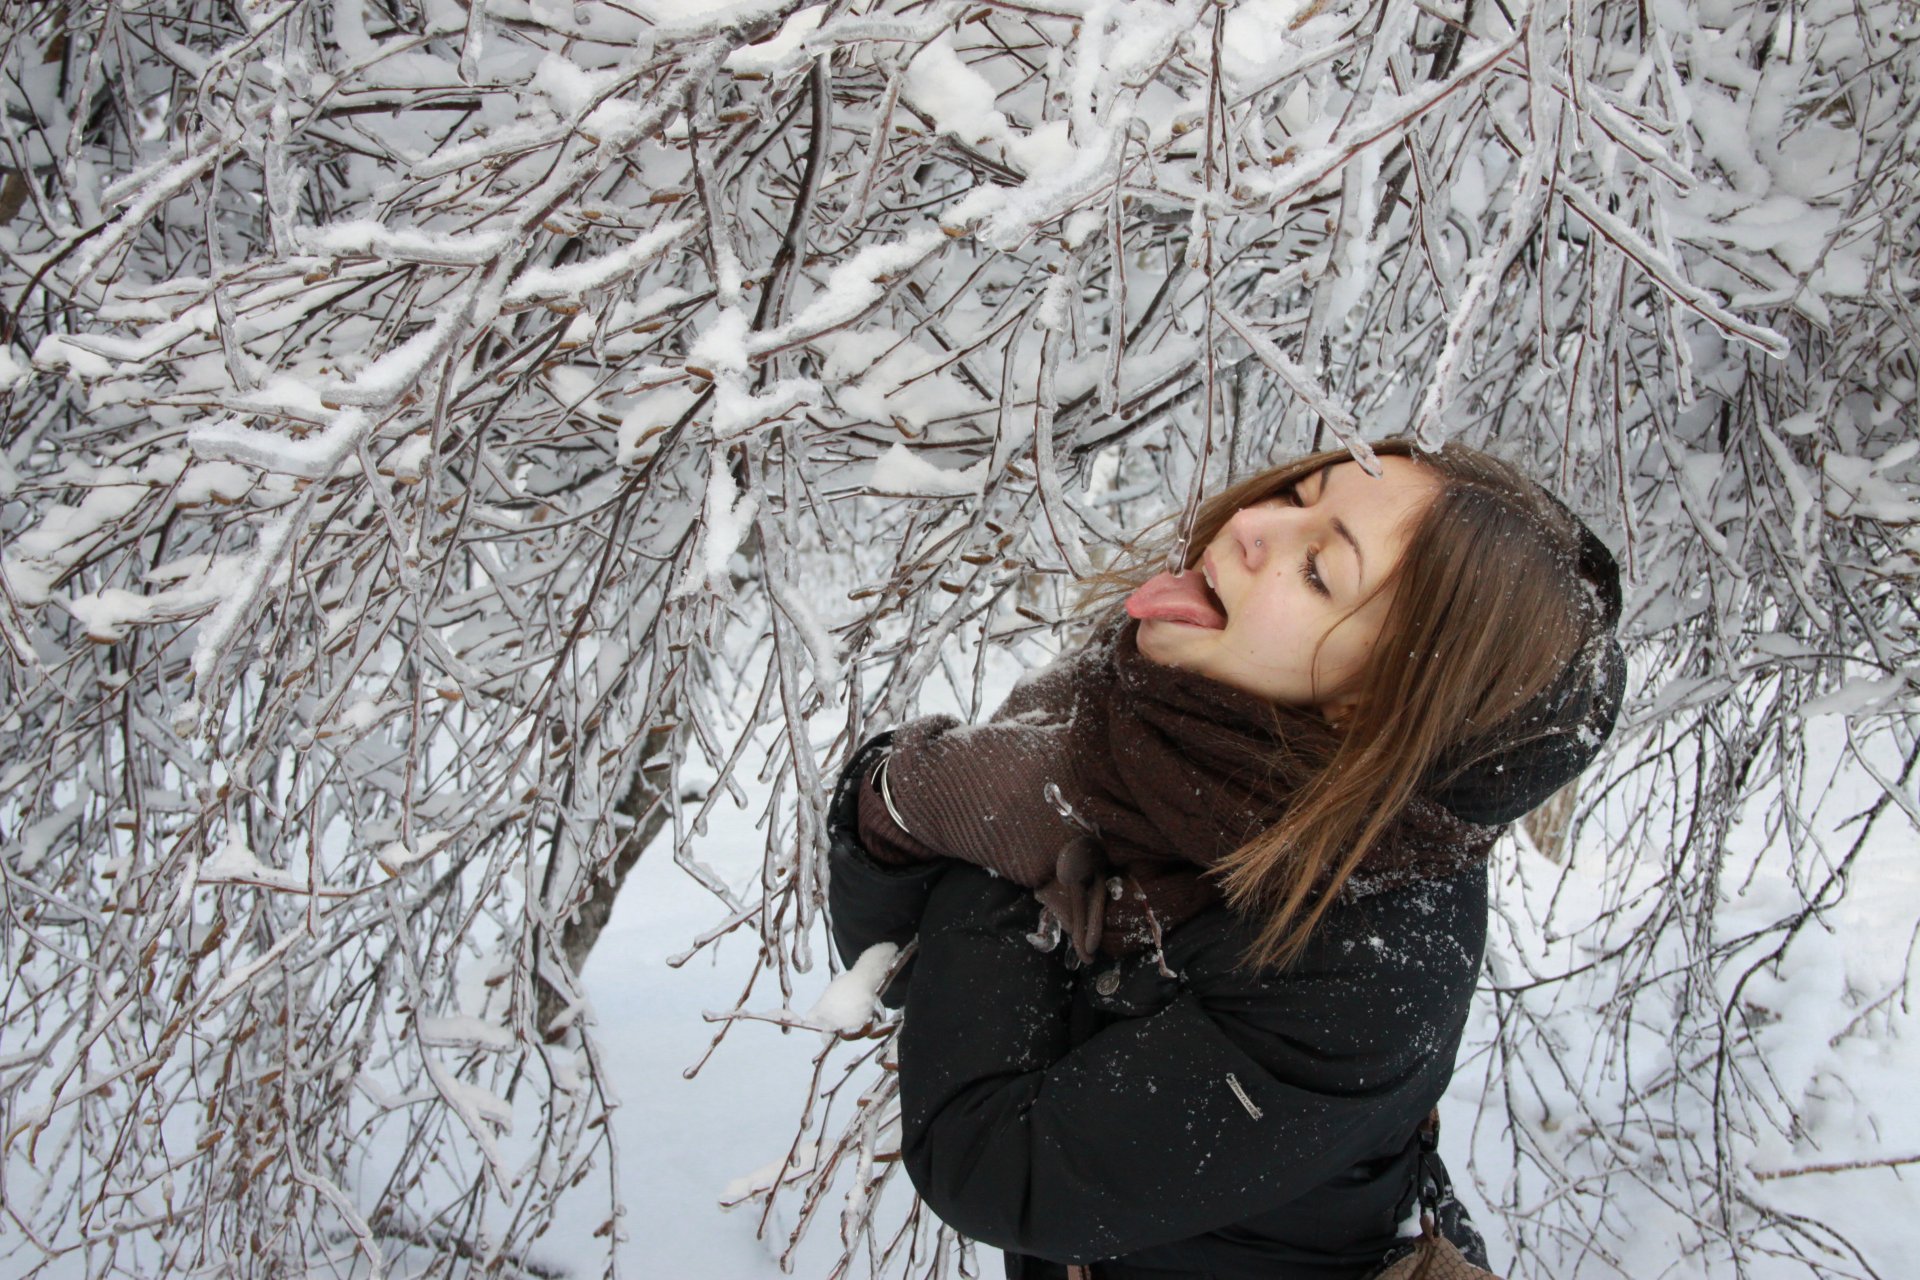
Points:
x=456 y=452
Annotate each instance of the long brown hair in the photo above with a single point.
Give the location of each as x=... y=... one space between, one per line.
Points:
x=1487 y=611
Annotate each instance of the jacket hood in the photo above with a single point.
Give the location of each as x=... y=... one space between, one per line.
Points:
x=1497 y=778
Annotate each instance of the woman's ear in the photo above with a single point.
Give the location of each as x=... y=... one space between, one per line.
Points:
x=1337 y=710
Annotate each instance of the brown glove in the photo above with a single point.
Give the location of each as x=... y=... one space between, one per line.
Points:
x=973 y=792
x=979 y=794
x=1077 y=894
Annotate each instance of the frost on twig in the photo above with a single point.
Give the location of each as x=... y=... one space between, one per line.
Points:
x=451 y=450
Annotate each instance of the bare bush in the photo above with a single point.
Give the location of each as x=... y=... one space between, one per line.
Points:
x=432 y=429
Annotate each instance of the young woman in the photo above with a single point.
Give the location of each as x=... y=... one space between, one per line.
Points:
x=1270 y=791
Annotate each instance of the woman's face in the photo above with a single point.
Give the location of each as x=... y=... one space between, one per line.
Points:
x=1285 y=575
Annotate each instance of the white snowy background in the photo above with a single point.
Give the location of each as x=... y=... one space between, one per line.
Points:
x=470 y=473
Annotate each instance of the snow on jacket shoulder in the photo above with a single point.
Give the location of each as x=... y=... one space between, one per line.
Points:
x=1221 y=1122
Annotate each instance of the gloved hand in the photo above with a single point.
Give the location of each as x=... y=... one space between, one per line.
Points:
x=1077 y=896
x=979 y=793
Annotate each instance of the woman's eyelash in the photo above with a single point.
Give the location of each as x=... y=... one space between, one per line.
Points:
x=1310 y=570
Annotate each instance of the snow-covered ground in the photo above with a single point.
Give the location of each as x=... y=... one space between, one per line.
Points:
x=684 y=1140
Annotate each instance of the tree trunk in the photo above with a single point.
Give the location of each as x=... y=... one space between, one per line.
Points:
x=647 y=805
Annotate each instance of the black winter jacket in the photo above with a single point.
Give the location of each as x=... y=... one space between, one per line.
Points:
x=1217 y=1123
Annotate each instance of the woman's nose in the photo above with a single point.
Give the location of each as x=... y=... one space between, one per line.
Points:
x=1257 y=531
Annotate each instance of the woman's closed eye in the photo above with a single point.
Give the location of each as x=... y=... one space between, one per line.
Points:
x=1310 y=571
x=1309 y=567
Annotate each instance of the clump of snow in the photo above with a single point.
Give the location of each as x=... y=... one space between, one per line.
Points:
x=213 y=482
x=960 y=99
x=852 y=287
x=258 y=570
x=408 y=457
x=1261 y=36
x=478 y=1101
x=365 y=237
x=397 y=856
x=1056 y=296
x=849 y=1002
x=109 y=612
x=630 y=312
x=1080 y=226
x=570 y=282
x=570 y=87
x=651 y=414
x=57 y=351
x=770 y=53
x=12 y=372
x=722 y=346
x=235 y=862
x=400 y=370
x=315 y=456
x=1863 y=695
x=1004 y=217
x=852 y=353
x=880 y=374
x=284 y=394
x=771 y=1175
x=1862 y=486
x=903 y=473
x=38 y=557
x=464 y=1032
x=737 y=411
x=727 y=521
x=38 y=838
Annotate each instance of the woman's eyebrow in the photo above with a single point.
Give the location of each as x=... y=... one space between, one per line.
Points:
x=1340 y=527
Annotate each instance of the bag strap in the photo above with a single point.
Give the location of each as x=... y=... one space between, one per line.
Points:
x=1429 y=1175
x=1435 y=1192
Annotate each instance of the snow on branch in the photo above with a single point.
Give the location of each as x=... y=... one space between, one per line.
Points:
x=453 y=449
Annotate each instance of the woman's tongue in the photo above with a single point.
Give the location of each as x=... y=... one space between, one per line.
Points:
x=1177 y=599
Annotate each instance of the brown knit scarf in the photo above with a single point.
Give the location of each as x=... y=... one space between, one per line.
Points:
x=1111 y=784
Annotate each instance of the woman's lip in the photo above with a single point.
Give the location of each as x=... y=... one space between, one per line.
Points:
x=1212 y=579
